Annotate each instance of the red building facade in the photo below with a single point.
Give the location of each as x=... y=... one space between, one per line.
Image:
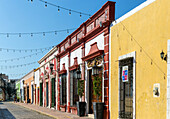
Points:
x=86 y=45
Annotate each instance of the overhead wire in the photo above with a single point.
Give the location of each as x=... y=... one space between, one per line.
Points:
x=64 y=8
x=25 y=50
x=142 y=49
x=19 y=58
x=37 y=33
x=16 y=66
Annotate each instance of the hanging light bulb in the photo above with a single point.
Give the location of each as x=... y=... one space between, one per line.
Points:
x=89 y=17
x=45 y=4
x=58 y=9
x=55 y=32
x=43 y=33
x=31 y=34
x=69 y=12
x=67 y=31
x=80 y=15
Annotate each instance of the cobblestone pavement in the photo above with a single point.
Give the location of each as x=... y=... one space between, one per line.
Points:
x=51 y=112
x=12 y=111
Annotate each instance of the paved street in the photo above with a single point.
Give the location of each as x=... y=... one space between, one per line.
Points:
x=12 y=111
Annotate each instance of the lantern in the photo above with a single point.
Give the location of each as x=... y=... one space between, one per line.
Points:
x=51 y=67
x=95 y=70
x=63 y=76
x=162 y=54
x=78 y=74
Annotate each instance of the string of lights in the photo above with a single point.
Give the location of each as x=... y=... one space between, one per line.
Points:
x=37 y=33
x=25 y=50
x=17 y=75
x=142 y=49
x=16 y=66
x=19 y=58
x=67 y=9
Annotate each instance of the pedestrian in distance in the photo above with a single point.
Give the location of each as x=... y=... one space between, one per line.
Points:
x=14 y=98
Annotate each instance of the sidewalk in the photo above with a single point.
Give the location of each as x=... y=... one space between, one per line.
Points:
x=50 y=112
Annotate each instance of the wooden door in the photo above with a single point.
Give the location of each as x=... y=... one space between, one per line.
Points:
x=92 y=97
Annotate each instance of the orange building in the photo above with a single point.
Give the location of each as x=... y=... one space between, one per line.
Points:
x=28 y=87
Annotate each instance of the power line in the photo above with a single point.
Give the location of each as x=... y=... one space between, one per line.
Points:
x=25 y=50
x=16 y=66
x=67 y=9
x=19 y=58
x=19 y=34
x=142 y=49
x=16 y=75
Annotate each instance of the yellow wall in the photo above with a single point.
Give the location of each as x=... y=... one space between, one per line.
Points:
x=151 y=29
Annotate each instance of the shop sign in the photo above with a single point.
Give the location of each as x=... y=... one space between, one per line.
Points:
x=125 y=74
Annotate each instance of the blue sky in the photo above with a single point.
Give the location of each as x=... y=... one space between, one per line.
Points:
x=18 y=16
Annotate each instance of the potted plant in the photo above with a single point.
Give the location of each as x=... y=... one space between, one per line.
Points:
x=98 y=107
x=81 y=106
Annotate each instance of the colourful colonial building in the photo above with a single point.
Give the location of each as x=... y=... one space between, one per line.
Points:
x=28 y=87
x=86 y=47
x=47 y=79
x=17 y=87
x=139 y=67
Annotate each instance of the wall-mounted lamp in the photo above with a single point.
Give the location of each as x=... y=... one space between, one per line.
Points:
x=95 y=69
x=78 y=73
x=51 y=67
x=163 y=56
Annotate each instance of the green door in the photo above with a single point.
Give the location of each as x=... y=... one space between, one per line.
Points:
x=52 y=91
x=41 y=95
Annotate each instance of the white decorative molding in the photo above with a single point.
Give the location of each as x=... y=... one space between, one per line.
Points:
x=133 y=11
x=100 y=43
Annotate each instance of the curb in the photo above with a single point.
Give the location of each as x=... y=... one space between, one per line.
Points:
x=36 y=110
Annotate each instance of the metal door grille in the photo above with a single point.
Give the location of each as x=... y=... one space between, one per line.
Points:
x=126 y=91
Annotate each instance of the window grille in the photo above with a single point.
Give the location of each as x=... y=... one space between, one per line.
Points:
x=73 y=88
x=126 y=90
x=63 y=90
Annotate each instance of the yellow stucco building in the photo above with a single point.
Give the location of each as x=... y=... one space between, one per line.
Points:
x=139 y=85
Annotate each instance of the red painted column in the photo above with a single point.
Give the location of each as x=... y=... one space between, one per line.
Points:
x=55 y=73
x=44 y=93
x=50 y=91
x=68 y=106
x=106 y=73
x=83 y=68
x=58 y=105
x=83 y=62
